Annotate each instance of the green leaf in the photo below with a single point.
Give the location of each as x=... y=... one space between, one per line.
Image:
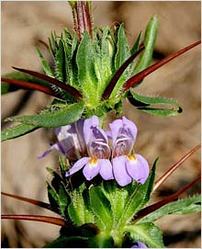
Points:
x=138 y=197
x=147 y=233
x=63 y=198
x=17 y=131
x=159 y=106
x=85 y=59
x=63 y=163
x=58 y=196
x=104 y=58
x=45 y=65
x=60 y=66
x=70 y=45
x=63 y=115
x=53 y=44
x=117 y=197
x=136 y=45
x=101 y=208
x=53 y=198
x=183 y=206
x=149 y=42
x=123 y=51
x=78 y=210
x=161 y=112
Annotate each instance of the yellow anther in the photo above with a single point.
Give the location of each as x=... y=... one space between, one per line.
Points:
x=93 y=161
x=131 y=157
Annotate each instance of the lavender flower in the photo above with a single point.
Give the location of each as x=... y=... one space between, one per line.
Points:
x=139 y=244
x=98 y=150
x=86 y=141
x=70 y=141
x=126 y=165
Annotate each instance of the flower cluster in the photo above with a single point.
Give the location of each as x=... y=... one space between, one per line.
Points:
x=109 y=153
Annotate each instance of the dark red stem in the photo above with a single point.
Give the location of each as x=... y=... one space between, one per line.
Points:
x=141 y=75
x=40 y=218
x=82 y=18
x=118 y=74
x=30 y=85
x=69 y=89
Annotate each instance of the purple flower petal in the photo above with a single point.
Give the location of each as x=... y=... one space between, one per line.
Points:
x=77 y=166
x=61 y=132
x=138 y=168
x=88 y=123
x=124 y=134
x=91 y=170
x=139 y=244
x=79 y=125
x=109 y=134
x=119 y=170
x=106 y=169
x=71 y=139
x=55 y=146
x=130 y=126
x=115 y=127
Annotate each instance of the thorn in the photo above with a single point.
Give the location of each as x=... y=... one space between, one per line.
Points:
x=69 y=89
x=174 y=167
x=31 y=201
x=141 y=75
x=118 y=74
x=30 y=86
x=40 y=218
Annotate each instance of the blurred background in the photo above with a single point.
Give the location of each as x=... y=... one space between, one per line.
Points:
x=23 y=25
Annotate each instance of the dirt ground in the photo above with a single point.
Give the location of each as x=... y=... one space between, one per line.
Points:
x=23 y=24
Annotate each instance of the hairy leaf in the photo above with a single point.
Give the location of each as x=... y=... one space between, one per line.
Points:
x=159 y=106
x=100 y=207
x=136 y=45
x=104 y=58
x=70 y=46
x=117 y=197
x=183 y=206
x=63 y=115
x=123 y=51
x=138 y=197
x=78 y=210
x=53 y=198
x=53 y=43
x=149 y=42
x=122 y=54
x=17 y=131
x=60 y=70
x=85 y=58
x=45 y=65
x=147 y=233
